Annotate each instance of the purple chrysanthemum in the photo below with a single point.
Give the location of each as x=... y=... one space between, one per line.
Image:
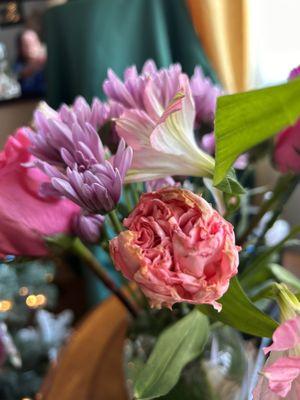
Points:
x=70 y=152
x=74 y=129
x=153 y=89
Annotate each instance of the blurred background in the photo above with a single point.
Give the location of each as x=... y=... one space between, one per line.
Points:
x=55 y=50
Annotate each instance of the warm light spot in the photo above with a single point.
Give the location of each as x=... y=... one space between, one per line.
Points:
x=35 y=301
x=31 y=301
x=5 y=305
x=41 y=299
x=23 y=291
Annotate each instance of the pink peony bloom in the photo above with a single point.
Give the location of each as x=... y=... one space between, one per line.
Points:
x=177 y=249
x=287 y=149
x=25 y=215
x=281 y=375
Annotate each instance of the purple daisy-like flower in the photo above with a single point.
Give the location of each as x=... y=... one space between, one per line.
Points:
x=153 y=89
x=205 y=95
x=150 y=91
x=74 y=129
x=68 y=149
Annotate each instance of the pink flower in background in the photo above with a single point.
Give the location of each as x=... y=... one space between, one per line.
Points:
x=168 y=147
x=281 y=375
x=177 y=249
x=287 y=149
x=287 y=143
x=294 y=73
x=25 y=216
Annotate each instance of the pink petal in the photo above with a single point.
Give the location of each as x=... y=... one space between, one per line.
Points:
x=286 y=336
x=281 y=375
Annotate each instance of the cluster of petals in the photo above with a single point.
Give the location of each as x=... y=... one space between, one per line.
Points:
x=70 y=151
x=177 y=248
x=280 y=378
x=26 y=216
x=161 y=109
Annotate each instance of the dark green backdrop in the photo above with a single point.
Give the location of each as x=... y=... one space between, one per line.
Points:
x=85 y=37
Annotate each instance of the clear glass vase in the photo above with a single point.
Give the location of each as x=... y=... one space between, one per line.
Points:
x=223 y=372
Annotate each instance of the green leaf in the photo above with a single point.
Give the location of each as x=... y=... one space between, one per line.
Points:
x=244 y=120
x=239 y=312
x=230 y=184
x=285 y=276
x=176 y=346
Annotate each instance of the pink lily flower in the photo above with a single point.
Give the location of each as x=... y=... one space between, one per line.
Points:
x=280 y=378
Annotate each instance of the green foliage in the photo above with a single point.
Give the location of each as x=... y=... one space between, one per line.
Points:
x=256 y=272
x=176 y=346
x=244 y=120
x=239 y=312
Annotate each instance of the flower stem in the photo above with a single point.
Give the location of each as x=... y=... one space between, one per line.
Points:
x=115 y=221
x=92 y=263
x=134 y=193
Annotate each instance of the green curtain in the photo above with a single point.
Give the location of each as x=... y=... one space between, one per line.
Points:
x=86 y=37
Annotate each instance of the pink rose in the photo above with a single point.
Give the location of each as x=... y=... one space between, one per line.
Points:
x=287 y=149
x=177 y=249
x=280 y=377
x=25 y=216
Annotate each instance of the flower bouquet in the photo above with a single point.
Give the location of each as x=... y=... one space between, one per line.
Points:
x=161 y=178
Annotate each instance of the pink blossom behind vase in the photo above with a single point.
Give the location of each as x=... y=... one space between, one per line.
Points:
x=26 y=217
x=177 y=249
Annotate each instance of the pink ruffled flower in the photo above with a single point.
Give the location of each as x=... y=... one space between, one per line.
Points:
x=281 y=375
x=177 y=249
x=26 y=217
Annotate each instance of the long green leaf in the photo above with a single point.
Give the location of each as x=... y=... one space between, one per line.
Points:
x=244 y=120
x=175 y=347
x=285 y=276
x=239 y=312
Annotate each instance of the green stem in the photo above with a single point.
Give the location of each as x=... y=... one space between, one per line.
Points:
x=134 y=193
x=92 y=263
x=115 y=221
